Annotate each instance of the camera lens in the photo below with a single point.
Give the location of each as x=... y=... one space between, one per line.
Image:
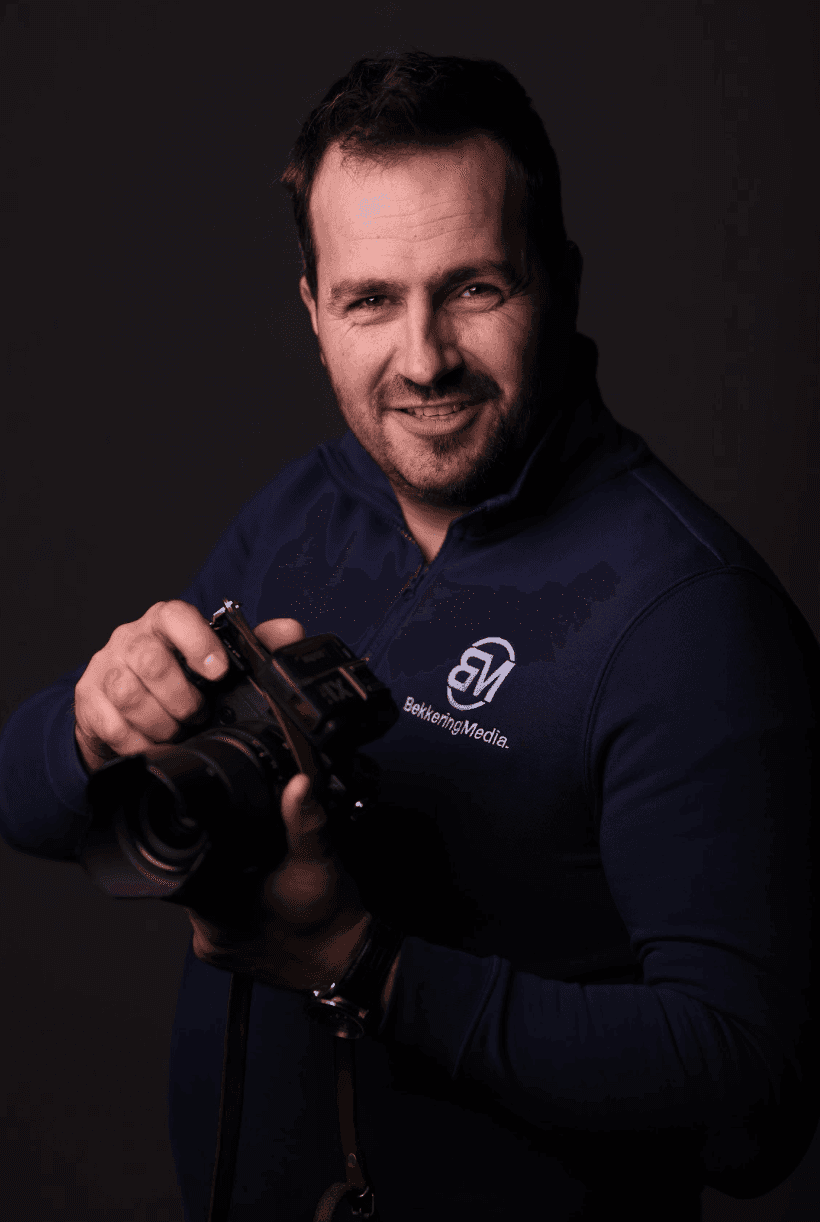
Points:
x=166 y=822
x=166 y=808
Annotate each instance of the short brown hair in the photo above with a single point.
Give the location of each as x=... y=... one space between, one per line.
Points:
x=411 y=99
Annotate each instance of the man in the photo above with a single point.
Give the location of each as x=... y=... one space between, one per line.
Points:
x=593 y=834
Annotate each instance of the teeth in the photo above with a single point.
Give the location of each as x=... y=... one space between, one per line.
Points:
x=435 y=411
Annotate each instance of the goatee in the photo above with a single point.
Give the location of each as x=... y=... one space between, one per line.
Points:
x=491 y=475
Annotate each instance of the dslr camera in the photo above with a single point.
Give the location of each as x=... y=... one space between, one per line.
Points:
x=196 y=821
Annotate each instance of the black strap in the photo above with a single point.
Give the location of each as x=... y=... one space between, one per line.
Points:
x=230 y=1104
x=230 y=1117
x=362 y=1201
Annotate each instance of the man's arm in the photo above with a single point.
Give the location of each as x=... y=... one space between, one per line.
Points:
x=42 y=778
x=702 y=751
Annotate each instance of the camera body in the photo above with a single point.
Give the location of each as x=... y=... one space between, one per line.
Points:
x=196 y=821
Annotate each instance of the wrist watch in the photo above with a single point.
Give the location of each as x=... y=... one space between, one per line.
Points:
x=352 y=1007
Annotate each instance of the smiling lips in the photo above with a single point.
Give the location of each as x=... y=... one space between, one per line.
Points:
x=427 y=410
x=422 y=420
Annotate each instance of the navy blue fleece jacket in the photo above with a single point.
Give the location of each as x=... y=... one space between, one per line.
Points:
x=595 y=828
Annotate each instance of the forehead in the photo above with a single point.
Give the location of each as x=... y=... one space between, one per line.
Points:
x=417 y=205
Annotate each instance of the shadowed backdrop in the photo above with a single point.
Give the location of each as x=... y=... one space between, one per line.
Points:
x=159 y=368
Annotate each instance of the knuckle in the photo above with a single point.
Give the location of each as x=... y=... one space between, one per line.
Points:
x=118 y=637
x=148 y=656
x=155 y=618
x=161 y=729
x=83 y=686
x=173 y=612
x=176 y=606
x=110 y=730
x=157 y=609
x=121 y=687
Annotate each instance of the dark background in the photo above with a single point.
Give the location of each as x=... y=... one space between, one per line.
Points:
x=159 y=369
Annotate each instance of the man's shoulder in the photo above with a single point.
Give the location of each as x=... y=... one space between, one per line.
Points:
x=296 y=481
x=663 y=529
x=633 y=531
x=335 y=467
x=603 y=492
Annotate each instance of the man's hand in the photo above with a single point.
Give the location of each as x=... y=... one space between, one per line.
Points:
x=134 y=693
x=311 y=920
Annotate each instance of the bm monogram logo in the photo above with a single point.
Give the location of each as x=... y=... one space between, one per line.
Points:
x=461 y=677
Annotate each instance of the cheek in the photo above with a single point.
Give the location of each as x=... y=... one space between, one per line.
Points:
x=497 y=343
x=354 y=358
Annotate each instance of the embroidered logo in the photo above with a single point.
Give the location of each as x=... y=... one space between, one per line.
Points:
x=462 y=676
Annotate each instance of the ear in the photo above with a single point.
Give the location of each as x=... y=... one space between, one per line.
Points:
x=310 y=304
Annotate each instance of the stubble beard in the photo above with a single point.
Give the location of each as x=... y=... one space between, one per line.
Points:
x=515 y=437
x=487 y=474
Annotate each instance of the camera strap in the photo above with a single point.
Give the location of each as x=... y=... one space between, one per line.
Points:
x=233 y=1089
x=230 y=1117
x=362 y=1203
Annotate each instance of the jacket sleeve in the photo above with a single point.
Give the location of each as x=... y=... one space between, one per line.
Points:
x=702 y=761
x=42 y=778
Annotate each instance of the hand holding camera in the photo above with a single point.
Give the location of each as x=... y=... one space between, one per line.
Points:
x=218 y=794
x=134 y=692
x=311 y=921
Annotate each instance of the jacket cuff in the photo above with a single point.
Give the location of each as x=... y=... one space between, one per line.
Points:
x=65 y=769
x=438 y=999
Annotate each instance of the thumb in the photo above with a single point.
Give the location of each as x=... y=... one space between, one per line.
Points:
x=274 y=633
x=304 y=819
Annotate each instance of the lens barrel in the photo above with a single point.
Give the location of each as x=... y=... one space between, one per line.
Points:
x=156 y=816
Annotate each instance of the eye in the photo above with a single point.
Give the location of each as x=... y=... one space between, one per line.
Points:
x=367 y=303
x=478 y=292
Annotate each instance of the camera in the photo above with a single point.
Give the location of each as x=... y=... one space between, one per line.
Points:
x=196 y=821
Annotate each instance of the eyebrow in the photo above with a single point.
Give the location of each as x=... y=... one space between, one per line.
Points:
x=347 y=290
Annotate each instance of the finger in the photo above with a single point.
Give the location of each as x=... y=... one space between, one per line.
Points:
x=137 y=706
x=149 y=659
x=274 y=633
x=182 y=627
x=100 y=725
x=305 y=821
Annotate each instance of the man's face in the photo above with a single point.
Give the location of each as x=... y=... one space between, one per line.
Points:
x=427 y=315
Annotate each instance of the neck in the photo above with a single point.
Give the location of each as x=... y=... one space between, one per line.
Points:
x=427 y=523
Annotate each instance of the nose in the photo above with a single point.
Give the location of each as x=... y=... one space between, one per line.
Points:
x=426 y=350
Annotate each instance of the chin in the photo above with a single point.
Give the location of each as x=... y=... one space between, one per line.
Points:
x=461 y=489
x=471 y=478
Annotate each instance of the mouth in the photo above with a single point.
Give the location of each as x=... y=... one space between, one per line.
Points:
x=428 y=420
x=425 y=411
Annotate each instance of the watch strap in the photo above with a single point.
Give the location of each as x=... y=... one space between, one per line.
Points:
x=352 y=1007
